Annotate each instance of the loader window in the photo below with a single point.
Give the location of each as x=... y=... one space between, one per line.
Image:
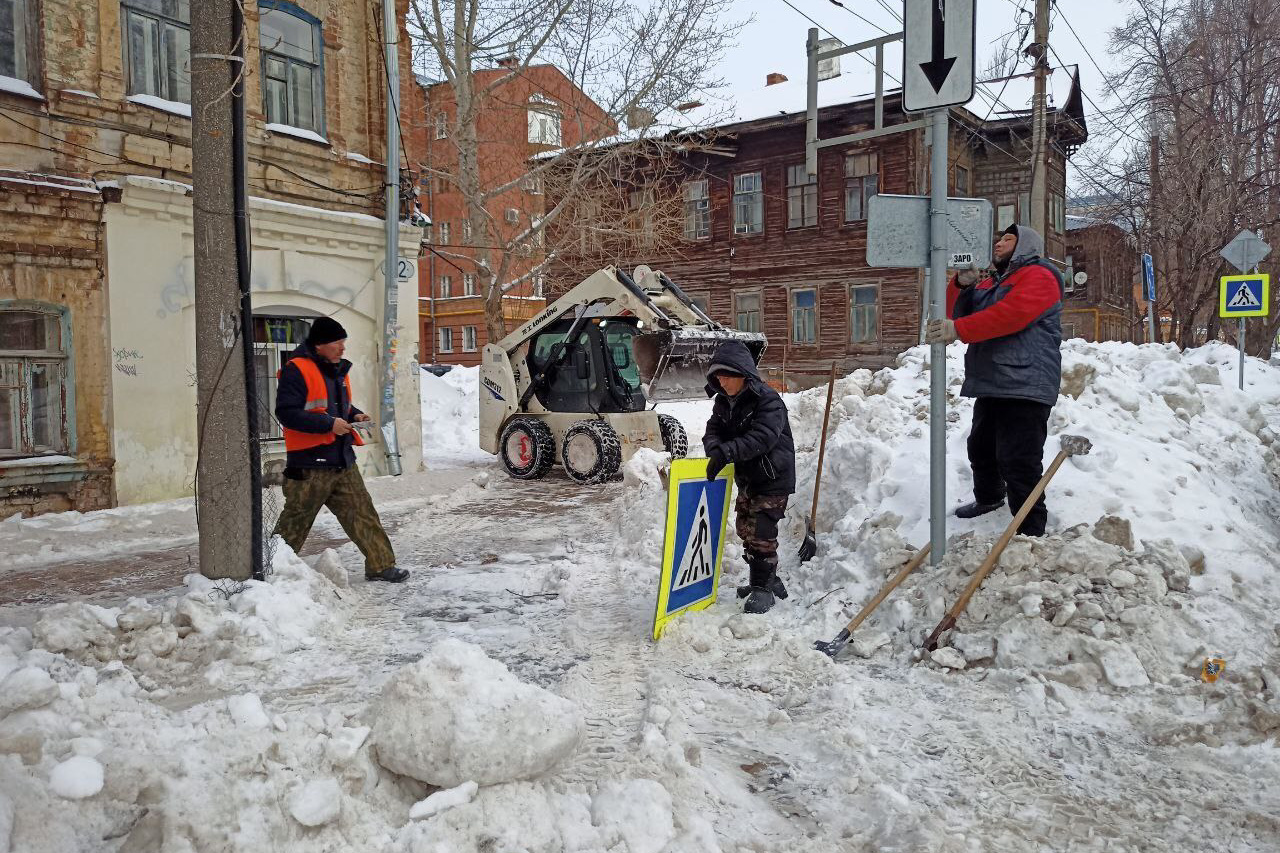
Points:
x=621 y=367
x=567 y=389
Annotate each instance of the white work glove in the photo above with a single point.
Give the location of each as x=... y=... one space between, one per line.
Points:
x=940 y=332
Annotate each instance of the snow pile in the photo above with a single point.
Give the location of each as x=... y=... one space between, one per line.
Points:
x=1184 y=463
x=204 y=631
x=64 y=536
x=642 y=508
x=451 y=418
x=457 y=716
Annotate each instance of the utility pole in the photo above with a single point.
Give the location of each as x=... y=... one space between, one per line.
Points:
x=1151 y=243
x=391 y=260
x=228 y=471
x=1039 y=123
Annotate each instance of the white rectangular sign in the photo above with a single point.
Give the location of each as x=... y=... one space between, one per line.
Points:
x=938 y=58
x=898 y=232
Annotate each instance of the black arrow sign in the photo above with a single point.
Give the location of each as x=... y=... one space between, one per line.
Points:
x=938 y=68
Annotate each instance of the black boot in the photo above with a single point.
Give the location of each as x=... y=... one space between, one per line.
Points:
x=775 y=586
x=760 y=593
x=975 y=509
x=391 y=575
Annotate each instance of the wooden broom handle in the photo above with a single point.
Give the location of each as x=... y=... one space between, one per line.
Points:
x=822 y=446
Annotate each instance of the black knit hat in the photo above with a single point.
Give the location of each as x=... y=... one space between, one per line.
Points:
x=1012 y=229
x=326 y=330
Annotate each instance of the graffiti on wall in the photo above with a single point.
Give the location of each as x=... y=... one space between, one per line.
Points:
x=126 y=360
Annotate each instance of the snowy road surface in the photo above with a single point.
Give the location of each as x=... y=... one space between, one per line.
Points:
x=1079 y=723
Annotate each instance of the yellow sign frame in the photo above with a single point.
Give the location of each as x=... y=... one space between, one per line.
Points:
x=683 y=472
x=1225 y=292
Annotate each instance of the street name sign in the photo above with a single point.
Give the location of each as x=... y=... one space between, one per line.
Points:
x=1244 y=295
x=693 y=545
x=898 y=232
x=937 y=55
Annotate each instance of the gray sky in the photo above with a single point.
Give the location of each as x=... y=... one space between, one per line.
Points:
x=774 y=40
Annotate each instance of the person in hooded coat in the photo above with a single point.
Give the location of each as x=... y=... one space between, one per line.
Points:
x=749 y=428
x=1013 y=368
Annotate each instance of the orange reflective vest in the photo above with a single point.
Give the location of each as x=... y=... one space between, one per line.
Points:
x=318 y=402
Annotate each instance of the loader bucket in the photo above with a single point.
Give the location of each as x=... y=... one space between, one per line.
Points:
x=673 y=362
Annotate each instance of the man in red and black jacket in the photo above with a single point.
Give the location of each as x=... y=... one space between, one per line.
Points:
x=1013 y=367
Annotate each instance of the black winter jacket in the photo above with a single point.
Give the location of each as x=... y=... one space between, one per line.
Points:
x=752 y=430
x=291 y=398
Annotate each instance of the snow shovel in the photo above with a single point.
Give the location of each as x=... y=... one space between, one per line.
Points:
x=809 y=547
x=841 y=640
x=1072 y=445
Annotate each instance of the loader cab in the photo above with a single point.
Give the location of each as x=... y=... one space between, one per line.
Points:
x=597 y=372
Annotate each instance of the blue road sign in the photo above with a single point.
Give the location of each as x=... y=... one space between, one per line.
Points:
x=1148 y=279
x=697 y=512
x=1244 y=295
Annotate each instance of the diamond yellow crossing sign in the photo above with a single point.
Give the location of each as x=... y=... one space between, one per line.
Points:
x=1244 y=295
x=697 y=513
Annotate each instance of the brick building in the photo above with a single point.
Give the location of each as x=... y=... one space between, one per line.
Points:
x=767 y=249
x=96 y=274
x=1101 y=271
x=529 y=112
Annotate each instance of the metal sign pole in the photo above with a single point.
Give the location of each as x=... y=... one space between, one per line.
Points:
x=1240 y=339
x=1151 y=320
x=938 y=121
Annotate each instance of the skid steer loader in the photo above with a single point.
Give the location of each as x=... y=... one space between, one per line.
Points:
x=574 y=384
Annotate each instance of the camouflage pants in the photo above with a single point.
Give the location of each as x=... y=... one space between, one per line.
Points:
x=757 y=523
x=342 y=491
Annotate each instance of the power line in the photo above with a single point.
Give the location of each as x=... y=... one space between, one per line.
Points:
x=870 y=62
x=865 y=20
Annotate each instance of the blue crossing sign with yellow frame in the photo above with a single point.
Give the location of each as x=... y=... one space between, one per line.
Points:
x=692 y=549
x=1244 y=295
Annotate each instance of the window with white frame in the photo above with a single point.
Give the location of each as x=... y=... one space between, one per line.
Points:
x=466 y=232
x=748 y=203
x=446 y=340
x=861 y=182
x=962 y=181
x=444 y=233
x=864 y=313
x=274 y=340
x=292 y=65
x=697 y=210
x=442 y=125
x=746 y=311
x=445 y=289
x=36 y=385
x=156 y=36
x=539 y=285
x=18 y=39
x=469 y=284
x=544 y=121
x=1069 y=275
x=802 y=197
x=532 y=184
x=468 y=338
x=804 y=316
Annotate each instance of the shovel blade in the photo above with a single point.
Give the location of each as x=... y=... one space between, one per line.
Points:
x=834 y=647
x=809 y=547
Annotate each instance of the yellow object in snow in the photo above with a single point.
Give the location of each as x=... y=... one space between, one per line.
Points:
x=697 y=513
x=1213 y=667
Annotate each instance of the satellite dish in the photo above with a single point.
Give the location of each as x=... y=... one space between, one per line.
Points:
x=1080 y=278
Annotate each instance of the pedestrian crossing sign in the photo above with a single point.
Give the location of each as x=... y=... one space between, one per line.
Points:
x=692 y=548
x=1245 y=295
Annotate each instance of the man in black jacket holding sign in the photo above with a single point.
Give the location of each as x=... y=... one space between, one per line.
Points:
x=750 y=429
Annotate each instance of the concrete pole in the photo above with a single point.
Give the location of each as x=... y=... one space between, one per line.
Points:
x=391 y=260
x=938 y=154
x=1039 y=125
x=228 y=495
